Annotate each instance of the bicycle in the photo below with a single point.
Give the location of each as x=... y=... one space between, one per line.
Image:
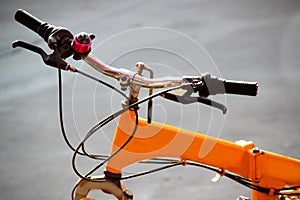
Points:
x=269 y=175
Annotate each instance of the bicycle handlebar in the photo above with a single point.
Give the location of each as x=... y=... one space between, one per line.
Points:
x=62 y=38
x=212 y=85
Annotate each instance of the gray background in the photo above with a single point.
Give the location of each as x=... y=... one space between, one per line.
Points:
x=248 y=40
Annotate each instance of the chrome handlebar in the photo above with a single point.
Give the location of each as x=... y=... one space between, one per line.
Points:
x=126 y=76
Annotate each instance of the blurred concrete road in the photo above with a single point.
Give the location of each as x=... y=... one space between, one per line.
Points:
x=248 y=40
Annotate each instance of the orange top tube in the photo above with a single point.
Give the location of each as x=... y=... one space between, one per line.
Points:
x=266 y=169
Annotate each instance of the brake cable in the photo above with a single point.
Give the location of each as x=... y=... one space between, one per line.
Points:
x=107 y=120
x=60 y=99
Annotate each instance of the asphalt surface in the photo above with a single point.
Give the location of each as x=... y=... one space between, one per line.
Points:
x=254 y=40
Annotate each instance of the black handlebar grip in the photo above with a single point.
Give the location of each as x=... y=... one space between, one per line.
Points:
x=214 y=85
x=28 y=20
x=43 y=29
x=241 y=87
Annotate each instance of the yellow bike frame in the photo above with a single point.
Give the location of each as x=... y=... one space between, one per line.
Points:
x=153 y=140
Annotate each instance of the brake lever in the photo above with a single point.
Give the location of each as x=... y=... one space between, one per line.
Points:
x=212 y=103
x=52 y=60
x=185 y=98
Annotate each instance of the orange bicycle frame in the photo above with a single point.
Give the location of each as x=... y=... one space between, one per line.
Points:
x=153 y=140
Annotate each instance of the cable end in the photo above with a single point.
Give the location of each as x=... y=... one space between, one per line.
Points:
x=15 y=44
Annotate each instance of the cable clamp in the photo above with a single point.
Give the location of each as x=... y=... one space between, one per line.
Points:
x=218 y=176
x=183 y=161
x=272 y=191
